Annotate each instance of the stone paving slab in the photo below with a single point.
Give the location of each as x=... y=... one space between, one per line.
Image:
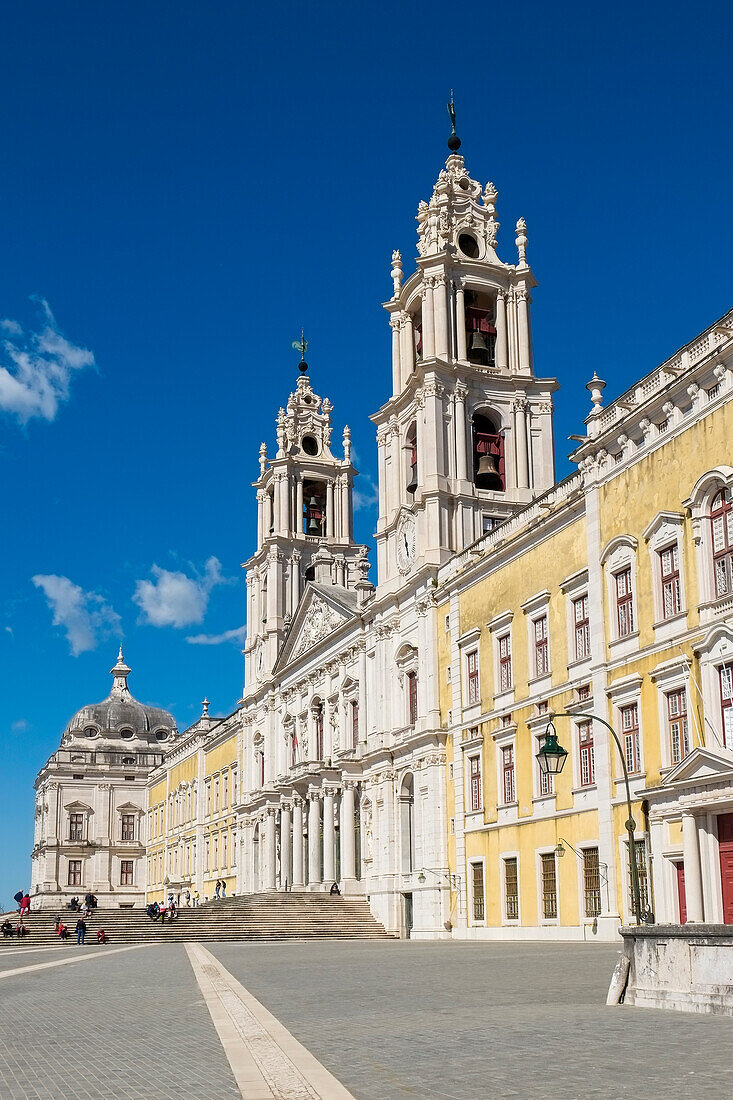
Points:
x=460 y=1021
x=132 y=1026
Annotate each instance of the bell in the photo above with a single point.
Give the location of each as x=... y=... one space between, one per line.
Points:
x=314 y=515
x=478 y=342
x=313 y=527
x=412 y=484
x=488 y=472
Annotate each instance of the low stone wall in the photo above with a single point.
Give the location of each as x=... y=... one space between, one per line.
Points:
x=687 y=967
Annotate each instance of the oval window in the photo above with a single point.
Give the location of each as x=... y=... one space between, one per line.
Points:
x=127 y=735
x=310 y=445
x=128 y=759
x=90 y=732
x=161 y=735
x=468 y=245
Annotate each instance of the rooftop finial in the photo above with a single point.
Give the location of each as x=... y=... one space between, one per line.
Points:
x=120 y=672
x=205 y=707
x=301 y=346
x=454 y=142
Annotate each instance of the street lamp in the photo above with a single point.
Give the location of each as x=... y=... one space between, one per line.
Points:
x=630 y=823
x=552 y=756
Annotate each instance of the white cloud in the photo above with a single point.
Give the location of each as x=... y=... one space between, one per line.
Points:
x=174 y=599
x=85 y=616
x=236 y=635
x=20 y=726
x=367 y=496
x=36 y=368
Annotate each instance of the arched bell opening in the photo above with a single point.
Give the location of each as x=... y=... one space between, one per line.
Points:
x=480 y=329
x=411 y=452
x=314 y=507
x=417 y=334
x=488 y=454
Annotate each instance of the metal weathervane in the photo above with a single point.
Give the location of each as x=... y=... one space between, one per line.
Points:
x=301 y=346
x=454 y=142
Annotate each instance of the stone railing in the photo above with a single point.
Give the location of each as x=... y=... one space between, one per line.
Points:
x=687 y=967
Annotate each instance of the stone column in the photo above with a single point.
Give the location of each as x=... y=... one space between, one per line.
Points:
x=460 y=415
x=461 y=351
x=502 y=352
x=407 y=358
x=525 y=362
x=348 y=836
x=314 y=839
x=260 y=517
x=284 y=503
x=285 y=812
x=329 y=509
x=329 y=837
x=297 y=841
x=520 y=435
x=345 y=515
x=298 y=517
x=394 y=324
x=693 y=873
x=428 y=321
x=270 y=850
x=440 y=307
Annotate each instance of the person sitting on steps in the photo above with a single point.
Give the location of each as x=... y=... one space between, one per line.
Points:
x=7 y=928
x=334 y=890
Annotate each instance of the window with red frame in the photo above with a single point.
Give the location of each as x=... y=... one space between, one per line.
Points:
x=679 y=736
x=669 y=564
x=582 y=628
x=630 y=732
x=126 y=866
x=507 y=760
x=721 y=519
x=586 y=754
x=505 y=662
x=473 y=682
x=474 y=771
x=726 y=703
x=412 y=697
x=545 y=779
x=354 y=724
x=541 y=650
x=624 y=603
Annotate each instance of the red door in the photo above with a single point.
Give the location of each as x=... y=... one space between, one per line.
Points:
x=725 y=843
x=681 y=891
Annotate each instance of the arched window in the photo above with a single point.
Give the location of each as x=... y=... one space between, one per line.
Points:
x=411 y=449
x=721 y=519
x=417 y=334
x=488 y=454
x=480 y=329
x=412 y=697
x=314 y=508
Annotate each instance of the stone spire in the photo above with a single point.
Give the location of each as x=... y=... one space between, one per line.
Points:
x=120 y=672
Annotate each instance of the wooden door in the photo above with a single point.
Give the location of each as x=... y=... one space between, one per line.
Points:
x=681 y=891
x=725 y=843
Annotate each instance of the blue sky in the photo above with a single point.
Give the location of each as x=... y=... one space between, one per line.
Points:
x=185 y=186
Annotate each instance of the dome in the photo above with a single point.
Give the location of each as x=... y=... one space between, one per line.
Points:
x=120 y=717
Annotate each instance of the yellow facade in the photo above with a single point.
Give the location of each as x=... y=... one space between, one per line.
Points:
x=609 y=522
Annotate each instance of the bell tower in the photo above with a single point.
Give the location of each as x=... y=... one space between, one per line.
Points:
x=466 y=437
x=304 y=524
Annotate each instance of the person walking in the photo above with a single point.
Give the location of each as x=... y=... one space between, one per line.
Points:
x=25 y=905
x=223 y=888
x=217 y=889
x=81 y=930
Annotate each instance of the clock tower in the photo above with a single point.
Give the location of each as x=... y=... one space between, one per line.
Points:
x=304 y=526
x=466 y=437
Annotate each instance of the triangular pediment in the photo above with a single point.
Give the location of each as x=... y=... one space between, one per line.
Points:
x=321 y=611
x=701 y=766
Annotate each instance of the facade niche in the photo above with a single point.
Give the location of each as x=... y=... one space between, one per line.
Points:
x=488 y=454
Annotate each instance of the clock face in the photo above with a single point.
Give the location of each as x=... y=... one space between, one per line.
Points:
x=406 y=543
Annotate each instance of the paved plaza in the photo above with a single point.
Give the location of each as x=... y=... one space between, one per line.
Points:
x=375 y=1021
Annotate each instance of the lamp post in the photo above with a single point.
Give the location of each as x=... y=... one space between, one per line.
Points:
x=550 y=750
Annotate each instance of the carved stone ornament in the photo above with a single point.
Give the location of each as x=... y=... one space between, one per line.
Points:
x=320 y=620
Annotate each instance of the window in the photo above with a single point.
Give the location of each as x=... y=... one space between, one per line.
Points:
x=507 y=763
x=591 y=882
x=630 y=731
x=679 y=736
x=549 y=886
x=128 y=826
x=477 y=891
x=669 y=564
x=583 y=692
x=640 y=852
x=74 y=872
x=624 y=603
x=447 y=624
x=545 y=781
x=511 y=889
x=488 y=454
x=262 y=767
x=721 y=519
x=76 y=826
x=726 y=703
x=582 y=628
x=293 y=748
x=411 y=447
x=354 y=724
x=474 y=773
x=318 y=715
x=207 y=854
x=224 y=850
x=713 y=391
x=473 y=681
x=541 y=652
x=208 y=797
x=412 y=697
x=505 y=662
x=586 y=754
x=216 y=795
x=126 y=866
x=225 y=791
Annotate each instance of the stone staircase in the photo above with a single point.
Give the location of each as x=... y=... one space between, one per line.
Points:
x=263 y=917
